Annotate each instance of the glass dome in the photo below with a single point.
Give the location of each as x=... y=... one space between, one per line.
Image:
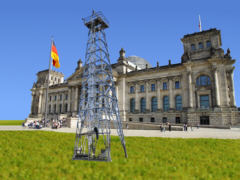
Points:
x=139 y=62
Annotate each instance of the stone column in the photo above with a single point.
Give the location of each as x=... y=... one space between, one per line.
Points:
x=137 y=100
x=190 y=89
x=124 y=99
x=76 y=99
x=148 y=100
x=171 y=94
x=69 y=100
x=32 y=105
x=233 y=89
x=40 y=103
x=160 y=103
x=217 y=97
x=43 y=101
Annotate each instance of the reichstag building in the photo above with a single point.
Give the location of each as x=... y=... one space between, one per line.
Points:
x=197 y=90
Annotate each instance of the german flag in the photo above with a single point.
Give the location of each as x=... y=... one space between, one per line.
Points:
x=54 y=56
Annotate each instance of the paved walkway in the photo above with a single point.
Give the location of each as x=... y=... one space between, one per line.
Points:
x=233 y=133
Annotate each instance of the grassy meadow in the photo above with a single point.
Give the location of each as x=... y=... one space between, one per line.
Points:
x=47 y=155
x=11 y=122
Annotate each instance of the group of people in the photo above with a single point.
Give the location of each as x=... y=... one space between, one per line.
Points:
x=40 y=124
x=33 y=124
x=185 y=127
x=57 y=124
x=163 y=127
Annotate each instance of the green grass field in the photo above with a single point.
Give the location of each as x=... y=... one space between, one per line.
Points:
x=47 y=155
x=11 y=122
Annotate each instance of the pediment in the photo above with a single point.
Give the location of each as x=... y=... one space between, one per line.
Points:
x=75 y=76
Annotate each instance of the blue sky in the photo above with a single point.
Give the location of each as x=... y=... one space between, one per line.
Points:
x=149 y=29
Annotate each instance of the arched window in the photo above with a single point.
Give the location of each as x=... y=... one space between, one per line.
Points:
x=165 y=103
x=203 y=81
x=142 y=105
x=200 y=45
x=132 y=105
x=178 y=102
x=154 y=104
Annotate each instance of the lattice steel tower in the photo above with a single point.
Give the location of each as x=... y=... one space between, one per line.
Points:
x=98 y=100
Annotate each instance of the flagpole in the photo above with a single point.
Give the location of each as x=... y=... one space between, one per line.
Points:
x=200 y=23
x=49 y=69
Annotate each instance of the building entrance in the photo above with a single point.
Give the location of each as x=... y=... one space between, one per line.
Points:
x=204 y=120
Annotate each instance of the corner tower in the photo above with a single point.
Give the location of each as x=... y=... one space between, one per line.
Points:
x=202 y=45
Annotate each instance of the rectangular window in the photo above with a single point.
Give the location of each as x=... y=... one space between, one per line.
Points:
x=50 y=98
x=177 y=84
x=208 y=44
x=142 y=88
x=153 y=87
x=66 y=97
x=193 y=47
x=164 y=86
x=60 y=97
x=55 y=98
x=152 y=119
x=204 y=101
x=178 y=120
x=200 y=45
x=132 y=89
x=140 y=119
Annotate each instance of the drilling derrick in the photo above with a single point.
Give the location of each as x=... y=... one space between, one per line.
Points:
x=98 y=100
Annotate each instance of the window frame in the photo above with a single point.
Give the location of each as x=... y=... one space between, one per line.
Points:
x=193 y=47
x=132 y=105
x=208 y=44
x=178 y=103
x=132 y=89
x=200 y=81
x=165 y=87
x=142 y=88
x=201 y=101
x=179 y=86
x=165 y=104
x=154 y=104
x=142 y=105
x=152 y=119
x=200 y=45
x=60 y=108
x=153 y=87
x=66 y=107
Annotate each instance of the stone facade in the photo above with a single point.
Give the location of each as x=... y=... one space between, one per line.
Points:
x=199 y=90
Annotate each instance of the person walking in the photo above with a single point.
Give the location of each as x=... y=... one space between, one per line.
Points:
x=161 y=128
x=198 y=126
